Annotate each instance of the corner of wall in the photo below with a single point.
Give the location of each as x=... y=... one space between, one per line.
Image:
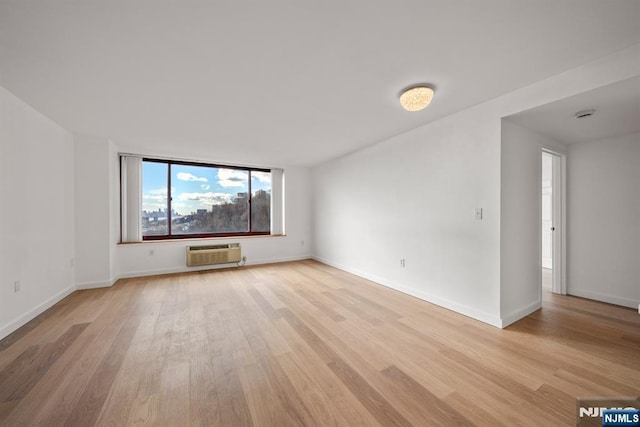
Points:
x=519 y=314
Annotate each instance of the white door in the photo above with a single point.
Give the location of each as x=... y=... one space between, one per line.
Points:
x=552 y=218
x=547 y=212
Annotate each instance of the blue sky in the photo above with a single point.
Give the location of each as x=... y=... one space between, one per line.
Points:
x=196 y=187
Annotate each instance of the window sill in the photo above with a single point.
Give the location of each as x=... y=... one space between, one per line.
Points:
x=205 y=239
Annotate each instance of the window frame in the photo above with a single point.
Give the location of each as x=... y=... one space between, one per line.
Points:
x=170 y=236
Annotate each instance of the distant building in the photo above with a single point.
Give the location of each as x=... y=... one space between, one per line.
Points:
x=241 y=197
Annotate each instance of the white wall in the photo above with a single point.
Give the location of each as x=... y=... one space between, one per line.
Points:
x=520 y=260
x=135 y=259
x=413 y=195
x=114 y=210
x=92 y=212
x=104 y=260
x=604 y=220
x=36 y=213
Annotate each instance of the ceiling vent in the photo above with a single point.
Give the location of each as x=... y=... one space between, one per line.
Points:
x=584 y=114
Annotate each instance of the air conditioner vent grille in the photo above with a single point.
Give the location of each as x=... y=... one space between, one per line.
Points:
x=213 y=254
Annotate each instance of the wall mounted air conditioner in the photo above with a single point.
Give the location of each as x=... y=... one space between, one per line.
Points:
x=213 y=254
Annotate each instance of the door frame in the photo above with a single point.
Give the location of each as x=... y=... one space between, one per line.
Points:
x=559 y=219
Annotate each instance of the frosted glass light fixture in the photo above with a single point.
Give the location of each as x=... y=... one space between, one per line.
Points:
x=416 y=98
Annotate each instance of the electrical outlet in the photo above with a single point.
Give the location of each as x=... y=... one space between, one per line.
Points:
x=71 y=263
x=402 y=263
x=16 y=286
x=151 y=252
x=301 y=242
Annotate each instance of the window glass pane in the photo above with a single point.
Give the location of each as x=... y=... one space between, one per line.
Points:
x=203 y=200
x=154 y=199
x=260 y=201
x=209 y=200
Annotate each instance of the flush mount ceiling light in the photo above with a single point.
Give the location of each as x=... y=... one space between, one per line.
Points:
x=416 y=98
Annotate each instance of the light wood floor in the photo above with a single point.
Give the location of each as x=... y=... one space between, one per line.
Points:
x=305 y=344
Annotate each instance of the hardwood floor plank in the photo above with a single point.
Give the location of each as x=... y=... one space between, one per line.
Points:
x=234 y=409
x=16 y=367
x=509 y=384
x=232 y=400
x=603 y=380
x=323 y=378
x=372 y=304
x=48 y=329
x=565 y=403
x=173 y=400
x=460 y=339
x=325 y=353
x=204 y=407
x=24 y=330
x=329 y=312
x=264 y=305
x=590 y=344
x=354 y=308
x=145 y=407
x=586 y=383
x=432 y=409
x=119 y=403
x=319 y=405
x=281 y=387
x=375 y=403
x=6 y=408
x=279 y=380
x=302 y=343
x=63 y=385
x=470 y=409
x=88 y=408
x=373 y=350
x=22 y=383
x=263 y=408
x=328 y=399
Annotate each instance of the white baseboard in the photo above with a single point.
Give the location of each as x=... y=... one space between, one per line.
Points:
x=185 y=269
x=279 y=260
x=33 y=313
x=514 y=316
x=449 y=305
x=597 y=296
x=95 y=285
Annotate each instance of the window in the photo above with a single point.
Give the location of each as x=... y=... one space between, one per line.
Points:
x=192 y=199
x=170 y=199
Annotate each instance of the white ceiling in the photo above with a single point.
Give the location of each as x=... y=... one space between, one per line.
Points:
x=285 y=82
x=617 y=113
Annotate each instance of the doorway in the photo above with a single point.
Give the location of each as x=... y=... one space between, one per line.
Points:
x=552 y=220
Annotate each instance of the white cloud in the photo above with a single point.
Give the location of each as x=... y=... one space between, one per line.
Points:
x=152 y=207
x=264 y=177
x=205 y=200
x=205 y=187
x=157 y=192
x=185 y=176
x=154 y=199
x=232 y=178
